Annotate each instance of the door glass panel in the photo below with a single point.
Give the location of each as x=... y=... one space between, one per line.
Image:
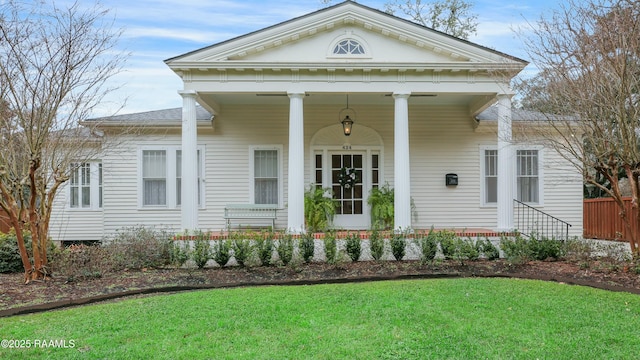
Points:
x=347 y=193
x=335 y=176
x=346 y=161
x=357 y=162
x=335 y=161
x=350 y=198
x=318 y=175
x=357 y=192
x=357 y=208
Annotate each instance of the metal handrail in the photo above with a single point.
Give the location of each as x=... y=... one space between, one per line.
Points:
x=534 y=222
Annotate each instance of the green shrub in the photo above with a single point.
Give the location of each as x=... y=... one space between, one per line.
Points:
x=10 y=261
x=428 y=245
x=447 y=240
x=455 y=248
x=330 y=247
x=140 y=247
x=487 y=249
x=179 y=253
x=376 y=244
x=241 y=248
x=222 y=251
x=264 y=247
x=285 y=248
x=516 y=250
x=353 y=246
x=544 y=249
x=520 y=250
x=466 y=250
x=398 y=244
x=307 y=246
x=201 y=253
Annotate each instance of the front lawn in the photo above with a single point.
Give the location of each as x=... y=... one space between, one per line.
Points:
x=457 y=319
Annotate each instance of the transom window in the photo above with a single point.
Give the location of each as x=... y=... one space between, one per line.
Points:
x=348 y=47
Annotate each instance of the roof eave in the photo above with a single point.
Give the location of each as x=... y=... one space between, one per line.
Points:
x=176 y=124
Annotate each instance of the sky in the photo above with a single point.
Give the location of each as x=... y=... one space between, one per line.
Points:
x=155 y=30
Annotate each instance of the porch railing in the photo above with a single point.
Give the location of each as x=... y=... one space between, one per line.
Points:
x=530 y=221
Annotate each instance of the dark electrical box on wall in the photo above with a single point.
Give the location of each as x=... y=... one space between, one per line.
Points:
x=451 y=179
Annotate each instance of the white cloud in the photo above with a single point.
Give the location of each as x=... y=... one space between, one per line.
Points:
x=192 y=35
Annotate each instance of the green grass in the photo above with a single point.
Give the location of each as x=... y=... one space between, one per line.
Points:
x=419 y=319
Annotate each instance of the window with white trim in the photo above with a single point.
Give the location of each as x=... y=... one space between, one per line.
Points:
x=161 y=177
x=528 y=188
x=266 y=175
x=154 y=177
x=85 y=186
x=490 y=193
x=528 y=177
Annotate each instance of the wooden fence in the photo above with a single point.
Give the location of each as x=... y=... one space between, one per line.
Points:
x=601 y=219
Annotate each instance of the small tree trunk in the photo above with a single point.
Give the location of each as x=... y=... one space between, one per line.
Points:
x=634 y=237
x=24 y=255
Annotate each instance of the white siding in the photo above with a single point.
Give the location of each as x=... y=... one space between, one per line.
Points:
x=74 y=224
x=442 y=140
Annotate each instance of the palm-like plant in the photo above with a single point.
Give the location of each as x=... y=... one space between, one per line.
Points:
x=319 y=209
x=381 y=203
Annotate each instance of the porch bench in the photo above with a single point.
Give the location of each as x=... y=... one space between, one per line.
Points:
x=250 y=212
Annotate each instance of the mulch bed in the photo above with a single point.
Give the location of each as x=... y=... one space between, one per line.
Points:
x=17 y=298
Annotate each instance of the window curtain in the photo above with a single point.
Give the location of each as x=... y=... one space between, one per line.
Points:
x=154 y=174
x=266 y=176
x=528 y=189
x=491 y=176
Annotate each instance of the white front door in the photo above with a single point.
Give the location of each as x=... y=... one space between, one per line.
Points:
x=351 y=195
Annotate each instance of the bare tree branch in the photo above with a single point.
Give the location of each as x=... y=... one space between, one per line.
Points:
x=55 y=63
x=588 y=54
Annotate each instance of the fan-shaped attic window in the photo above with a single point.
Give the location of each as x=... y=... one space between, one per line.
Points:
x=348 y=47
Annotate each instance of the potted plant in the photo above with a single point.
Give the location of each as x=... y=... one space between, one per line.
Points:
x=381 y=203
x=319 y=209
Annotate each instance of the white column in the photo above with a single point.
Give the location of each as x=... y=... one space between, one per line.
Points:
x=189 y=206
x=295 y=193
x=506 y=162
x=401 y=168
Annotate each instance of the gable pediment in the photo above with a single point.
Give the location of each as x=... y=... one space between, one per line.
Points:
x=311 y=40
x=325 y=46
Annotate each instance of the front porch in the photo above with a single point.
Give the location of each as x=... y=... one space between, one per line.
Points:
x=298 y=76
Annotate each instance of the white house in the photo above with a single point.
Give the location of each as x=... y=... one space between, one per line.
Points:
x=262 y=120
